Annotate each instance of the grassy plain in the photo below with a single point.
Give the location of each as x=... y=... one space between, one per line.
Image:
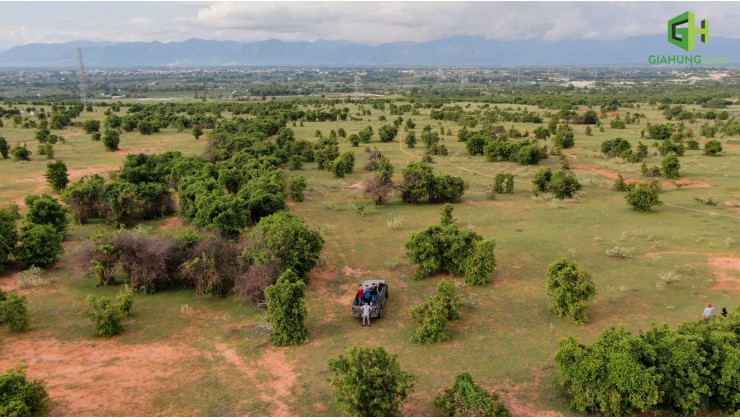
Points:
x=184 y=354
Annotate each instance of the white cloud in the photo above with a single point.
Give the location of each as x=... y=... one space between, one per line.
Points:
x=364 y=22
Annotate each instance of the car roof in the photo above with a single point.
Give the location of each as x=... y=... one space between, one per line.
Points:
x=370 y=282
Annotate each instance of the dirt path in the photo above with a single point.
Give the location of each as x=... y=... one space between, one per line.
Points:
x=277 y=392
x=703 y=211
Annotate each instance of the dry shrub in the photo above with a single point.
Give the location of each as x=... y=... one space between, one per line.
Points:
x=150 y=261
x=211 y=265
x=379 y=189
x=250 y=285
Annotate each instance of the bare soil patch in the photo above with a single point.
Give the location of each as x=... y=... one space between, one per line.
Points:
x=352 y=272
x=726 y=272
x=683 y=182
x=173 y=222
x=518 y=397
x=7 y=282
x=283 y=379
x=95 y=377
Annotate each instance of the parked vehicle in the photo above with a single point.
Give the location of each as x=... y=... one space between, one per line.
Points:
x=378 y=305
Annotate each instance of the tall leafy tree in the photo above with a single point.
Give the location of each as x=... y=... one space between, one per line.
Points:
x=286 y=310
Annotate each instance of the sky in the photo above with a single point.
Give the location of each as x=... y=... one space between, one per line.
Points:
x=362 y=22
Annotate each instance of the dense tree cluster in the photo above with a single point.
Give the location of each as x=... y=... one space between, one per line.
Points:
x=445 y=248
x=560 y=184
x=660 y=371
x=420 y=183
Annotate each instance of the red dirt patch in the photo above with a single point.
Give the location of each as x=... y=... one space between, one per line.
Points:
x=274 y=362
x=727 y=273
x=95 y=377
x=173 y=222
x=351 y=272
x=518 y=397
x=7 y=282
x=73 y=134
x=684 y=182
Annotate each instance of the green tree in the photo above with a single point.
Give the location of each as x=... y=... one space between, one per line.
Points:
x=46 y=210
x=111 y=139
x=20 y=397
x=20 y=153
x=296 y=186
x=4 y=147
x=14 y=311
x=431 y=318
x=387 y=133
x=369 y=382
x=643 y=198
x=410 y=139
x=481 y=263
x=91 y=126
x=342 y=165
x=84 y=198
x=8 y=235
x=541 y=133
x=608 y=377
x=659 y=131
x=563 y=185
x=197 y=131
x=39 y=245
x=671 y=166
x=569 y=285
x=541 y=179
x=286 y=310
x=465 y=398
x=564 y=137
x=713 y=148
x=56 y=176
x=285 y=239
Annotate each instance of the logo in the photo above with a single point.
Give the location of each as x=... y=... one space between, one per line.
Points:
x=684 y=37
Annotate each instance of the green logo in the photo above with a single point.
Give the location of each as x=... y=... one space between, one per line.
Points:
x=684 y=37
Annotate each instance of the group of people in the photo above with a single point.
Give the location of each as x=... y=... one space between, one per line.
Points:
x=709 y=311
x=367 y=296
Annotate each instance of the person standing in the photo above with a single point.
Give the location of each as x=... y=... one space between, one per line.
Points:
x=708 y=311
x=366 y=314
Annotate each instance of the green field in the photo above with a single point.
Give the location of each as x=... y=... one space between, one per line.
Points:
x=183 y=354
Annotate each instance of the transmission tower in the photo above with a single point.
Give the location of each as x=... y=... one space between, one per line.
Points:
x=83 y=87
x=357 y=86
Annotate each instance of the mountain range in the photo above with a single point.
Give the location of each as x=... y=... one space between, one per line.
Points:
x=457 y=51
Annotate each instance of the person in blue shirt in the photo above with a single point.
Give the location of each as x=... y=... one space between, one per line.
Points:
x=368 y=294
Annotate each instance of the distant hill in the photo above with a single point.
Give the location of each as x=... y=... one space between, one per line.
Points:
x=458 y=51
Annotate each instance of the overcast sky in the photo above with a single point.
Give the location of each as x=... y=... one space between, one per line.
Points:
x=364 y=22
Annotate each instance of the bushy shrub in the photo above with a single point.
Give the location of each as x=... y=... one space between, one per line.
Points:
x=420 y=183
x=106 y=317
x=20 y=153
x=671 y=166
x=56 y=176
x=14 y=311
x=465 y=398
x=615 y=147
x=713 y=148
x=20 y=397
x=46 y=210
x=503 y=184
x=296 y=187
x=39 y=245
x=564 y=137
x=284 y=239
x=569 y=285
x=643 y=198
x=684 y=371
x=369 y=382
x=621 y=185
x=111 y=139
x=4 y=148
x=286 y=310
x=84 y=198
x=9 y=234
x=342 y=165
x=560 y=184
x=448 y=249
